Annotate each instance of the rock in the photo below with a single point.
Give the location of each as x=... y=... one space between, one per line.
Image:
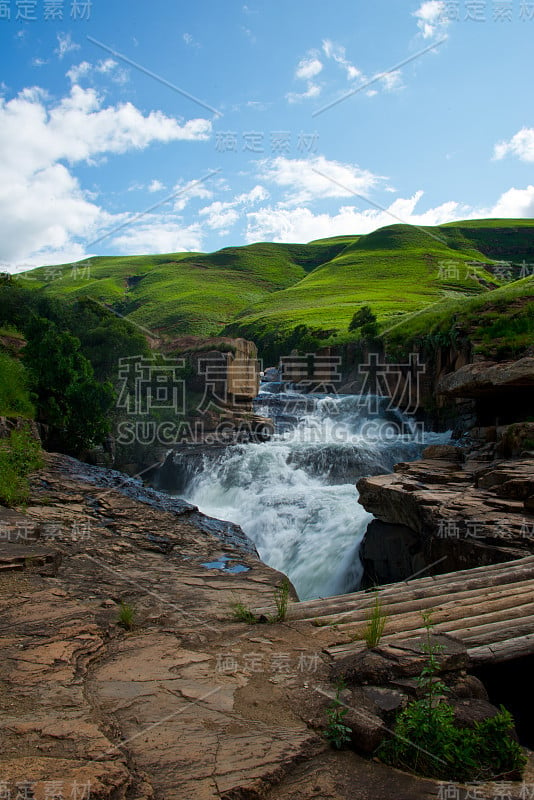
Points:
x=462 y=516
x=468 y=686
x=444 y=452
x=487 y=377
x=367 y=730
x=389 y=553
x=404 y=659
x=468 y=712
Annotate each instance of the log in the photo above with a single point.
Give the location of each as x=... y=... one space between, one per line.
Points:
x=361 y=614
x=507 y=650
x=343 y=604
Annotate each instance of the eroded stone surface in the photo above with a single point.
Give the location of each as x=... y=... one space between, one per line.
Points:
x=190 y=703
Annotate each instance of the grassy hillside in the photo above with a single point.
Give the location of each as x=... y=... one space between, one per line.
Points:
x=264 y=291
x=184 y=293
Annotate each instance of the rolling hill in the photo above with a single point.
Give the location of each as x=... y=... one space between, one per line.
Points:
x=251 y=291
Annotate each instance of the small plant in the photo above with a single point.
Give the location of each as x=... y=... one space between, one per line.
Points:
x=376 y=622
x=243 y=614
x=426 y=739
x=281 y=599
x=126 y=616
x=336 y=731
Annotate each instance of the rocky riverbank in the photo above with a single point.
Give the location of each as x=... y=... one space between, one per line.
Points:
x=188 y=704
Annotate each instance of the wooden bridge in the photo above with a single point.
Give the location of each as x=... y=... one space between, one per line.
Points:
x=489 y=609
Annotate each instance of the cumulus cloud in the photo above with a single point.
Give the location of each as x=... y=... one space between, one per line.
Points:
x=302 y=224
x=156 y=235
x=308 y=68
x=43 y=208
x=221 y=216
x=520 y=145
x=156 y=186
x=514 y=204
x=316 y=178
x=107 y=67
x=432 y=18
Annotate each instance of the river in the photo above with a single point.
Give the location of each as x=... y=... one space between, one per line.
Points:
x=295 y=495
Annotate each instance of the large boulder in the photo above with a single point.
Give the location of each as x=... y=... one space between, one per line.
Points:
x=487 y=377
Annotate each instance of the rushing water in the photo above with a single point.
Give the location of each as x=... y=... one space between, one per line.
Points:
x=295 y=495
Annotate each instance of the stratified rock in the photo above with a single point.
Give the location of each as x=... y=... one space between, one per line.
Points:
x=487 y=377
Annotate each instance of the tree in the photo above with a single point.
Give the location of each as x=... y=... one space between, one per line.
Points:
x=68 y=397
x=364 y=316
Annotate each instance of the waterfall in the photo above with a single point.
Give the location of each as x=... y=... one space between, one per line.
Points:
x=295 y=495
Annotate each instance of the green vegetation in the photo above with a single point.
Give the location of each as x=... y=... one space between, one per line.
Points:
x=242 y=613
x=126 y=616
x=20 y=454
x=427 y=741
x=68 y=396
x=56 y=362
x=14 y=392
x=336 y=731
x=284 y=295
x=375 y=624
x=281 y=599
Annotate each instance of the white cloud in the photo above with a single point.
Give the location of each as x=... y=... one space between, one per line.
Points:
x=432 y=19
x=156 y=186
x=155 y=235
x=222 y=216
x=39 y=62
x=43 y=208
x=185 y=192
x=107 y=67
x=392 y=81
x=337 y=53
x=313 y=90
x=65 y=45
x=308 y=68
x=514 y=204
x=302 y=225
x=316 y=178
x=520 y=145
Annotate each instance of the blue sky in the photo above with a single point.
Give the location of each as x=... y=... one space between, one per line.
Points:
x=127 y=128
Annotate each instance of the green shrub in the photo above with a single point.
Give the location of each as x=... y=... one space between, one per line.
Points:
x=20 y=454
x=242 y=613
x=426 y=740
x=14 y=395
x=336 y=731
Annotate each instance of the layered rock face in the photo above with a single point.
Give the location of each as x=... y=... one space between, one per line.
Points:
x=452 y=515
x=461 y=507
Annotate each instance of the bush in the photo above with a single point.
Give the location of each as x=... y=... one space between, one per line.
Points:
x=364 y=316
x=427 y=741
x=14 y=395
x=20 y=454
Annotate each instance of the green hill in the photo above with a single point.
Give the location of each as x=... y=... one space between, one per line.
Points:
x=264 y=291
